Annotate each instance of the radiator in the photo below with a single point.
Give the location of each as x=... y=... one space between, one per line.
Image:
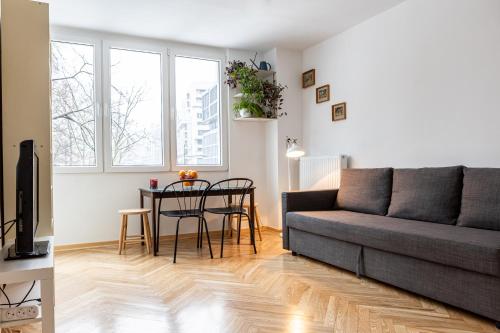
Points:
x=321 y=172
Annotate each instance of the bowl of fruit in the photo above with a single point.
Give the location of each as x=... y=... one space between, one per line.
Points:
x=188 y=175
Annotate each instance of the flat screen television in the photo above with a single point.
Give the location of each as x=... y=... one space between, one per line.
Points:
x=27 y=197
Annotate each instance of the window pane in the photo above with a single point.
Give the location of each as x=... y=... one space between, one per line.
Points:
x=136 y=108
x=73 y=105
x=197 y=112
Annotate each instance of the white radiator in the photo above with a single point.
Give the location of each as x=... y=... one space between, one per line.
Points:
x=321 y=172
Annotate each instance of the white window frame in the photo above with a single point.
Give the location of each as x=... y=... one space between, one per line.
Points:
x=97 y=44
x=102 y=42
x=212 y=56
x=139 y=47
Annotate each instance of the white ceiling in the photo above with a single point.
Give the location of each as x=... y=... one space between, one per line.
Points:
x=245 y=24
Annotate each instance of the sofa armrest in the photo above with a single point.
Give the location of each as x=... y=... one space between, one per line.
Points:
x=304 y=201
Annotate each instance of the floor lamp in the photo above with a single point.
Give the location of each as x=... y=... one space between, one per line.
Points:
x=293 y=150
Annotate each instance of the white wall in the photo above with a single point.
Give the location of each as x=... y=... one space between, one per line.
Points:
x=25 y=99
x=247 y=152
x=86 y=205
x=421 y=82
x=287 y=64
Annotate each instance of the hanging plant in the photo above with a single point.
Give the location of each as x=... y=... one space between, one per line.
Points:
x=260 y=97
x=231 y=75
x=273 y=99
x=250 y=85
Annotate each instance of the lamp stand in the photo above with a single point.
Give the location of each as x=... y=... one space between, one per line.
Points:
x=289 y=176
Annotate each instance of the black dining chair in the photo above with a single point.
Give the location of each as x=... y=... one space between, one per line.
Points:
x=189 y=196
x=233 y=192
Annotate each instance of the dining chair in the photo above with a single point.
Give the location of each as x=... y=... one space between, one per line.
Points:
x=189 y=197
x=233 y=192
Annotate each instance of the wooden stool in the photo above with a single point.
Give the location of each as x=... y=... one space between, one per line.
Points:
x=124 y=213
x=257 y=219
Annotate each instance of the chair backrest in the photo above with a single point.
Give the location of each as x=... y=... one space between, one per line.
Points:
x=233 y=191
x=188 y=194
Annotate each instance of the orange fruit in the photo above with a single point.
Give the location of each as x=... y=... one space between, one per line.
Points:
x=182 y=174
x=193 y=174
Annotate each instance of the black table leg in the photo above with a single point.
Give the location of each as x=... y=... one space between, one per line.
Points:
x=230 y=220
x=142 y=219
x=155 y=231
x=252 y=218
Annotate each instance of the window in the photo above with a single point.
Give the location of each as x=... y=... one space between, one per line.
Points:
x=198 y=112
x=116 y=106
x=136 y=108
x=74 y=132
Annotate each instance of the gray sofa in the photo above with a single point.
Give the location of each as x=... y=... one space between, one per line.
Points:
x=432 y=231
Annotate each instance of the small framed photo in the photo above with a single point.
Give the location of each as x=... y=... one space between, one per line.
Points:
x=339 y=111
x=323 y=94
x=309 y=78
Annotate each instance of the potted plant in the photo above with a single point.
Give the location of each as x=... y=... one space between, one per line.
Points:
x=247 y=108
x=272 y=99
x=231 y=75
x=258 y=98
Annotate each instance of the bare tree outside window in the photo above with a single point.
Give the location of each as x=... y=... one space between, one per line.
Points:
x=73 y=105
x=135 y=107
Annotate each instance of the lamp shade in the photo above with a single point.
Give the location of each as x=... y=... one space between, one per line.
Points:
x=294 y=151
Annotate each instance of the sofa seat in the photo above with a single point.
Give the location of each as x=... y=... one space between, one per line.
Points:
x=472 y=249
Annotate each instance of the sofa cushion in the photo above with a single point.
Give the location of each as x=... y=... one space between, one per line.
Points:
x=480 y=199
x=467 y=248
x=427 y=194
x=365 y=190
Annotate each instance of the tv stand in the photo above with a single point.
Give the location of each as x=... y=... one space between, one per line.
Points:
x=41 y=250
x=28 y=270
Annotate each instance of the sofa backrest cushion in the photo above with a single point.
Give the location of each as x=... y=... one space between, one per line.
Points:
x=481 y=199
x=427 y=194
x=365 y=190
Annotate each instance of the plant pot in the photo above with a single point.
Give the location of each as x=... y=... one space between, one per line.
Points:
x=244 y=113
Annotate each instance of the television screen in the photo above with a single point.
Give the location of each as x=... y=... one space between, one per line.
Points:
x=27 y=198
x=27 y=206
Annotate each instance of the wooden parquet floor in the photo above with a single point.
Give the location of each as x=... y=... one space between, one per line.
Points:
x=98 y=291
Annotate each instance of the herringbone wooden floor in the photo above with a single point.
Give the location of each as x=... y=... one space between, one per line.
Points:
x=99 y=291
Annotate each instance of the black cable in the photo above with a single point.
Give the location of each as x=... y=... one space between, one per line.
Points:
x=2 y=289
x=6 y=297
x=26 y=301
x=27 y=294
x=7 y=231
x=12 y=223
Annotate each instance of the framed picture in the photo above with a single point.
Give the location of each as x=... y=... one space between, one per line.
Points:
x=323 y=94
x=339 y=111
x=309 y=78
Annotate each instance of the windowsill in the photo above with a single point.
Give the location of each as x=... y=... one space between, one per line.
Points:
x=124 y=170
x=76 y=170
x=204 y=168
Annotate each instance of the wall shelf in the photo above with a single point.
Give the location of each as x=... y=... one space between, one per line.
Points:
x=254 y=119
x=264 y=74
